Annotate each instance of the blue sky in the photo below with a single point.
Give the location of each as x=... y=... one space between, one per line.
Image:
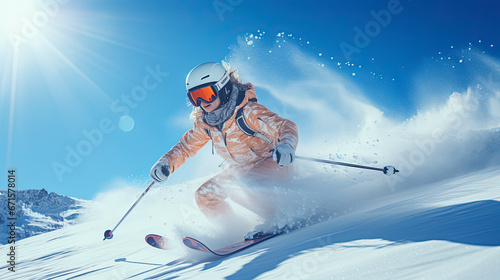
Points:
x=72 y=69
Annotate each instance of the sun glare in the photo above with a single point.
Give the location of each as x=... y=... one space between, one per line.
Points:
x=46 y=50
x=22 y=43
x=15 y=13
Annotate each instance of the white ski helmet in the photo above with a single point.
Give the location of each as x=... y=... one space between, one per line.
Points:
x=209 y=73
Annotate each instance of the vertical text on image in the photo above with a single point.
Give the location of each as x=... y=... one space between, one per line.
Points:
x=11 y=217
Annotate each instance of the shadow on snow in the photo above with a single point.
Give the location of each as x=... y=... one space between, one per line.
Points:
x=475 y=223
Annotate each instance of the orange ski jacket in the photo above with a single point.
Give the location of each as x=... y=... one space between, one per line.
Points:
x=231 y=143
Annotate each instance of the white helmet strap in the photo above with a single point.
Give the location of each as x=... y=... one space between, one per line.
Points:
x=222 y=82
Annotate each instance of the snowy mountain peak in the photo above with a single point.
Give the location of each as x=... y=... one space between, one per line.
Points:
x=39 y=211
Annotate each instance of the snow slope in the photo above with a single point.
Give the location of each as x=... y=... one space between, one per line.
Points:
x=443 y=230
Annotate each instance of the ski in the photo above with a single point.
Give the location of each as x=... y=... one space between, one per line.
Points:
x=157 y=241
x=197 y=245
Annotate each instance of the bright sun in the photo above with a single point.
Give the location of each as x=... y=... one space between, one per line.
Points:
x=15 y=13
x=31 y=44
x=23 y=20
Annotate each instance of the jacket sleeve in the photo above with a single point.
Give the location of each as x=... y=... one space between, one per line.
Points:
x=190 y=143
x=280 y=130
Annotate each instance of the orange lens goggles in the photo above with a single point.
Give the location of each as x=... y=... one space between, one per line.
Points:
x=207 y=94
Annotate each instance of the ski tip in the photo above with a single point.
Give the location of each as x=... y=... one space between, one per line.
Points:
x=157 y=241
x=195 y=244
x=199 y=246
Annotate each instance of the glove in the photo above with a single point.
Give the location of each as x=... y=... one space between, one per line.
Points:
x=160 y=171
x=284 y=154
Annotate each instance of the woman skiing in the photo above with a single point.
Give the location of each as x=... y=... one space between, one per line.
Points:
x=260 y=149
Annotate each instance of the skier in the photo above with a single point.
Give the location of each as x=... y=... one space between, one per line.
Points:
x=220 y=100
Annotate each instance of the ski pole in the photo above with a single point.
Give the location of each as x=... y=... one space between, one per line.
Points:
x=108 y=234
x=388 y=170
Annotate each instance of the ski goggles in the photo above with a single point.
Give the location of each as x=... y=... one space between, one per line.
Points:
x=207 y=93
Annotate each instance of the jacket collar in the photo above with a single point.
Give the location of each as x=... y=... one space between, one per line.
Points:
x=246 y=93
